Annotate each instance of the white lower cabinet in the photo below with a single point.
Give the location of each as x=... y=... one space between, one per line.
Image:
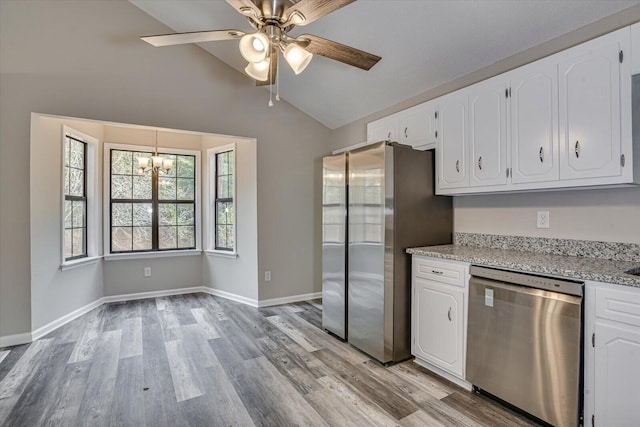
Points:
x=439 y=314
x=612 y=355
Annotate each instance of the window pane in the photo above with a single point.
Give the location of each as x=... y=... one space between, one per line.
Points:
x=142 y=187
x=230 y=236
x=230 y=163
x=142 y=214
x=67 y=151
x=185 y=214
x=122 y=162
x=223 y=187
x=76 y=182
x=142 y=238
x=222 y=212
x=186 y=237
x=78 y=214
x=68 y=237
x=66 y=180
x=167 y=237
x=221 y=237
x=68 y=214
x=121 y=214
x=78 y=241
x=167 y=214
x=221 y=168
x=185 y=189
x=121 y=239
x=185 y=166
x=121 y=187
x=166 y=188
x=77 y=154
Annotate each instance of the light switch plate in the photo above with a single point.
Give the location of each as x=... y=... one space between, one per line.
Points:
x=543 y=219
x=267 y=276
x=147 y=272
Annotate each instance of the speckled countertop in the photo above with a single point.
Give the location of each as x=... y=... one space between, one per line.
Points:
x=595 y=269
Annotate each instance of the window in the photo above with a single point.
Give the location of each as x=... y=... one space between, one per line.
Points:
x=75 y=198
x=151 y=211
x=224 y=201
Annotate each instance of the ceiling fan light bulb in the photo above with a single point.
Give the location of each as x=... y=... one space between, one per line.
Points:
x=253 y=47
x=297 y=57
x=258 y=70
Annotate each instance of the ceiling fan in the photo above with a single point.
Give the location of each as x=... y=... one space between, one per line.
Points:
x=272 y=20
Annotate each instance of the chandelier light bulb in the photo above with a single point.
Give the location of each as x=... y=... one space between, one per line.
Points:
x=297 y=57
x=254 y=47
x=259 y=70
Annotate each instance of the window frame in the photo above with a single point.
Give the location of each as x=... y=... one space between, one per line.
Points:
x=157 y=252
x=92 y=208
x=212 y=203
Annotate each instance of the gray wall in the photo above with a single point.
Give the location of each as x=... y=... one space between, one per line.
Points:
x=608 y=215
x=84 y=59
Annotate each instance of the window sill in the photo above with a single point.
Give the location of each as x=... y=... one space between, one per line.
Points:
x=221 y=254
x=147 y=255
x=68 y=265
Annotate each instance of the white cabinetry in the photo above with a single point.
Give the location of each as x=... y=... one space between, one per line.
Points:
x=488 y=132
x=612 y=355
x=590 y=116
x=439 y=315
x=415 y=126
x=534 y=123
x=451 y=155
x=635 y=48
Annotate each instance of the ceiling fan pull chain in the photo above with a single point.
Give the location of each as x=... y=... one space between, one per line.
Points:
x=277 y=85
x=270 y=84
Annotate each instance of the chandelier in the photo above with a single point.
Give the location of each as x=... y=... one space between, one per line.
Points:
x=159 y=164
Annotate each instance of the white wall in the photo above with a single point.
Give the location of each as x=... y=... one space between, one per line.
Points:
x=85 y=59
x=55 y=293
x=239 y=275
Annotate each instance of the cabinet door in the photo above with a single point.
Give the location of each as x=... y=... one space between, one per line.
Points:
x=590 y=118
x=534 y=123
x=617 y=375
x=488 y=133
x=385 y=129
x=418 y=126
x=452 y=134
x=438 y=324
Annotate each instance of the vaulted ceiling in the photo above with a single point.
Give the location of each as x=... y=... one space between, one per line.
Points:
x=423 y=44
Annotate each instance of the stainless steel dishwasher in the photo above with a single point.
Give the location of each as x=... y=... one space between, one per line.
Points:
x=524 y=342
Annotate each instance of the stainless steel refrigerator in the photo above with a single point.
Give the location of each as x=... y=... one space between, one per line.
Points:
x=378 y=201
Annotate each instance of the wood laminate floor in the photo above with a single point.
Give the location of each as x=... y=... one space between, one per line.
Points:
x=199 y=360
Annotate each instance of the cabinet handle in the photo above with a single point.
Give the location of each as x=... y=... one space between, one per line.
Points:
x=577 y=149
x=436 y=272
x=458 y=166
x=541 y=155
x=389 y=136
x=405 y=133
x=449 y=314
x=480 y=162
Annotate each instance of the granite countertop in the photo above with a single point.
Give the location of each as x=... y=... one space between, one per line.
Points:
x=595 y=269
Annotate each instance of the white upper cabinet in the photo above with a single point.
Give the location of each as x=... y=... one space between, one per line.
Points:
x=488 y=132
x=451 y=155
x=590 y=119
x=534 y=123
x=418 y=126
x=385 y=129
x=635 y=48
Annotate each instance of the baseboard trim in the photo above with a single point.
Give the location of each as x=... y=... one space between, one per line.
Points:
x=153 y=294
x=25 y=338
x=60 y=321
x=287 y=300
x=16 y=339
x=232 y=297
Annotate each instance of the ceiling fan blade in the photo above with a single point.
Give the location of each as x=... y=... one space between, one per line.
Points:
x=339 y=52
x=193 y=37
x=272 y=73
x=313 y=9
x=246 y=7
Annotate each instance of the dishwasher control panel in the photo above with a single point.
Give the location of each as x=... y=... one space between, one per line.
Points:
x=564 y=286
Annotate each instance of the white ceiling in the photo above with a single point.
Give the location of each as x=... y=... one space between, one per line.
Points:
x=423 y=44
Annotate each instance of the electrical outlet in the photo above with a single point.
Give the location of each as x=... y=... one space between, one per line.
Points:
x=267 y=276
x=543 y=219
x=147 y=272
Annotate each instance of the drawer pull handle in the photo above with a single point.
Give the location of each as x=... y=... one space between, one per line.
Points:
x=541 y=155
x=405 y=133
x=480 y=162
x=458 y=166
x=449 y=314
x=577 y=149
x=436 y=272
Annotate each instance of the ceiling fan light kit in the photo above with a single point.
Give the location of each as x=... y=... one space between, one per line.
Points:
x=272 y=20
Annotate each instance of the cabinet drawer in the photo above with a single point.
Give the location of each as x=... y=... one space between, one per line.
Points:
x=443 y=272
x=619 y=306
